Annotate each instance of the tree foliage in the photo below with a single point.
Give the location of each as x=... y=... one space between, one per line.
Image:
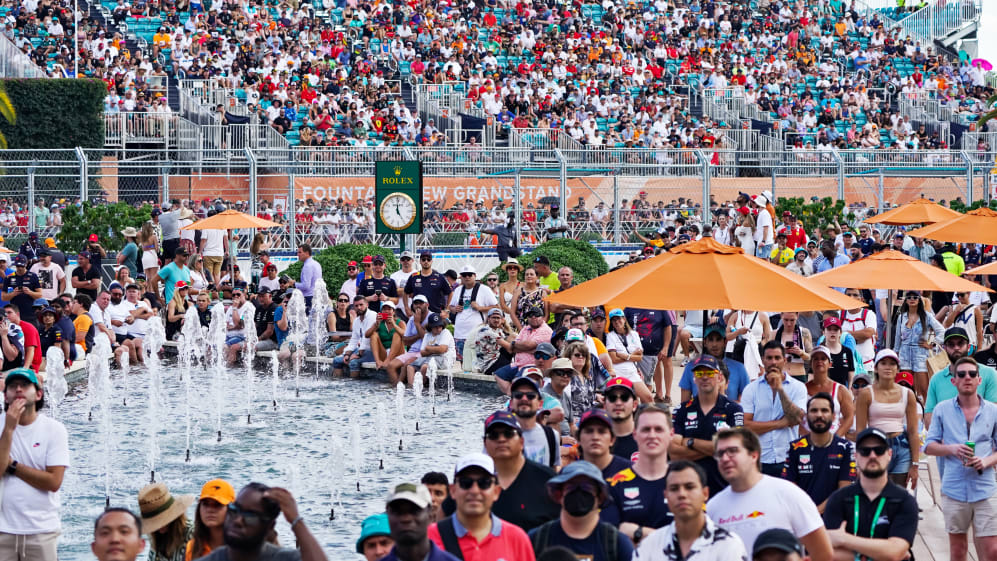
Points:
x=583 y=258
x=60 y=113
x=107 y=221
x=335 y=258
x=815 y=213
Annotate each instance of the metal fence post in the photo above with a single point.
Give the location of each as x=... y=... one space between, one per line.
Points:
x=292 y=210
x=517 y=206
x=31 y=188
x=841 y=174
x=165 y=172
x=563 y=177
x=969 y=176
x=81 y=157
x=706 y=186
x=251 y=158
x=617 y=219
x=882 y=201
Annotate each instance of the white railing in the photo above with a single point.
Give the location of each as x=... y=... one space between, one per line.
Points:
x=941 y=18
x=15 y=64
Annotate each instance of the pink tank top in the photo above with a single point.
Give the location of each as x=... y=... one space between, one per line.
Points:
x=888 y=417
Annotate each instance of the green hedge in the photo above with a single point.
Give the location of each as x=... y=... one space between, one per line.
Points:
x=335 y=258
x=107 y=221
x=52 y=114
x=583 y=258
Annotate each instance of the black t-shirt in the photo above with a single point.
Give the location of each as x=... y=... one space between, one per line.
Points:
x=434 y=287
x=591 y=548
x=50 y=336
x=987 y=357
x=89 y=274
x=263 y=318
x=369 y=287
x=636 y=500
x=69 y=333
x=23 y=301
x=690 y=421
x=816 y=470
x=841 y=364
x=625 y=447
x=525 y=502
x=616 y=465
x=898 y=518
x=650 y=325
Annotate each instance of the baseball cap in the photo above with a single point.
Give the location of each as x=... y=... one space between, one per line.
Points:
x=50 y=242
x=367 y=259
x=422 y=298
x=706 y=361
x=502 y=417
x=373 y=526
x=476 y=459
x=26 y=373
x=541 y=259
x=597 y=415
x=416 y=494
x=92 y=238
x=620 y=382
x=378 y=259
x=532 y=371
x=886 y=353
x=777 y=538
x=579 y=468
x=436 y=320
x=872 y=431
x=905 y=377
x=861 y=376
x=428 y=254
x=616 y=313
x=718 y=327
x=822 y=350
x=34 y=235
x=534 y=311
x=263 y=290
x=832 y=320
x=524 y=380
x=545 y=348
x=219 y=490
x=183 y=251
x=491 y=312
x=39 y=303
x=387 y=304
x=406 y=254
x=180 y=284
x=574 y=335
x=352 y=264
x=956 y=332
x=468 y=270
x=22 y=261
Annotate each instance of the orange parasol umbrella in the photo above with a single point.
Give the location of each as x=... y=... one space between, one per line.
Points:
x=230 y=220
x=988 y=269
x=894 y=270
x=920 y=211
x=976 y=226
x=705 y=275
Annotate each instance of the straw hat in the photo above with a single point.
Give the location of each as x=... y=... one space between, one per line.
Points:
x=159 y=507
x=129 y=232
x=186 y=213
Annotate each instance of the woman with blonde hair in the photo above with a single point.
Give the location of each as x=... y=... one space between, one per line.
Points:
x=507 y=290
x=176 y=309
x=164 y=520
x=150 y=259
x=745 y=231
x=583 y=384
x=625 y=350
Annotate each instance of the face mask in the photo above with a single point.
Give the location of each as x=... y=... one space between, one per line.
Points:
x=578 y=503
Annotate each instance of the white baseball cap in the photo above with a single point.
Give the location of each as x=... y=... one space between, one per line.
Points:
x=478 y=460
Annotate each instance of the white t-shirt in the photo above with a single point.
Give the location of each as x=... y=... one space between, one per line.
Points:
x=25 y=509
x=214 y=243
x=120 y=312
x=764 y=236
x=535 y=446
x=444 y=338
x=615 y=342
x=469 y=318
x=401 y=279
x=349 y=288
x=138 y=328
x=49 y=278
x=854 y=322
x=273 y=285
x=100 y=316
x=771 y=503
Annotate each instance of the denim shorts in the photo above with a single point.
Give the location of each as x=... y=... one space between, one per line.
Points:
x=901 y=461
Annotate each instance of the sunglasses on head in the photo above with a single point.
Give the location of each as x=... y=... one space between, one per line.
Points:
x=866 y=451
x=484 y=483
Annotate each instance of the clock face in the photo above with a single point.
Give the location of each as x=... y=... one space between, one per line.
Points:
x=398 y=211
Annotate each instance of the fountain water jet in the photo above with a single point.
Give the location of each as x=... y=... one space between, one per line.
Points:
x=297 y=319
x=249 y=354
x=56 y=387
x=319 y=329
x=400 y=411
x=216 y=342
x=191 y=342
x=152 y=343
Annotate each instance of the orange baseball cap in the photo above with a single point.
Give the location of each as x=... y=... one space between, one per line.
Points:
x=219 y=490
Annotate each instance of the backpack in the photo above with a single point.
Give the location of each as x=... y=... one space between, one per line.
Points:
x=741 y=342
x=554 y=453
x=474 y=297
x=448 y=535
x=610 y=536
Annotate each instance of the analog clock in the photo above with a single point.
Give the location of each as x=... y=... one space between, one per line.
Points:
x=397 y=211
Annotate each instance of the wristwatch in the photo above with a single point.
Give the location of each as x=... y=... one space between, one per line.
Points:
x=12 y=468
x=638 y=534
x=690 y=443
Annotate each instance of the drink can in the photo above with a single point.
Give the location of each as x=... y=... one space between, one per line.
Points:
x=972 y=448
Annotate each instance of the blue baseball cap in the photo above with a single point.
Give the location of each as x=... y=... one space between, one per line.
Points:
x=26 y=373
x=717 y=327
x=579 y=468
x=503 y=417
x=373 y=526
x=706 y=361
x=616 y=313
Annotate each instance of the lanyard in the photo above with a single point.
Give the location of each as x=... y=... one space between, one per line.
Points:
x=875 y=517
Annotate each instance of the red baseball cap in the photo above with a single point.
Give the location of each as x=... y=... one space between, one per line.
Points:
x=351 y=264
x=367 y=259
x=180 y=284
x=832 y=320
x=620 y=382
x=905 y=377
x=93 y=237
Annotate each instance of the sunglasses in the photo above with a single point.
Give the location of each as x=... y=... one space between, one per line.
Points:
x=117 y=294
x=528 y=395
x=249 y=516
x=703 y=373
x=425 y=259
x=484 y=483
x=970 y=373
x=577 y=355
x=614 y=397
x=343 y=301
x=491 y=280
x=541 y=356
x=866 y=451
x=913 y=297
x=563 y=373
x=507 y=434
x=351 y=268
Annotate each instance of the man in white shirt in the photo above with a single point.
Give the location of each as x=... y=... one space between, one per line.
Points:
x=764 y=228
x=401 y=279
x=119 y=313
x=357 y=351
x=51 y=277
x=755 y=502
x=213 y=250
x=136 y=323
x=468 y=305
x=861 y=323
x=437 y=346
x=35 y=449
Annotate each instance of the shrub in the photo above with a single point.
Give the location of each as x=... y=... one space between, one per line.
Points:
x=107 y=221
x=335 y=258
x=60 y=113
x=583 y=258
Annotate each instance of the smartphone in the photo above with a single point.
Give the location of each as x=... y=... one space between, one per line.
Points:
x=377 y=292
x=791 y=344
